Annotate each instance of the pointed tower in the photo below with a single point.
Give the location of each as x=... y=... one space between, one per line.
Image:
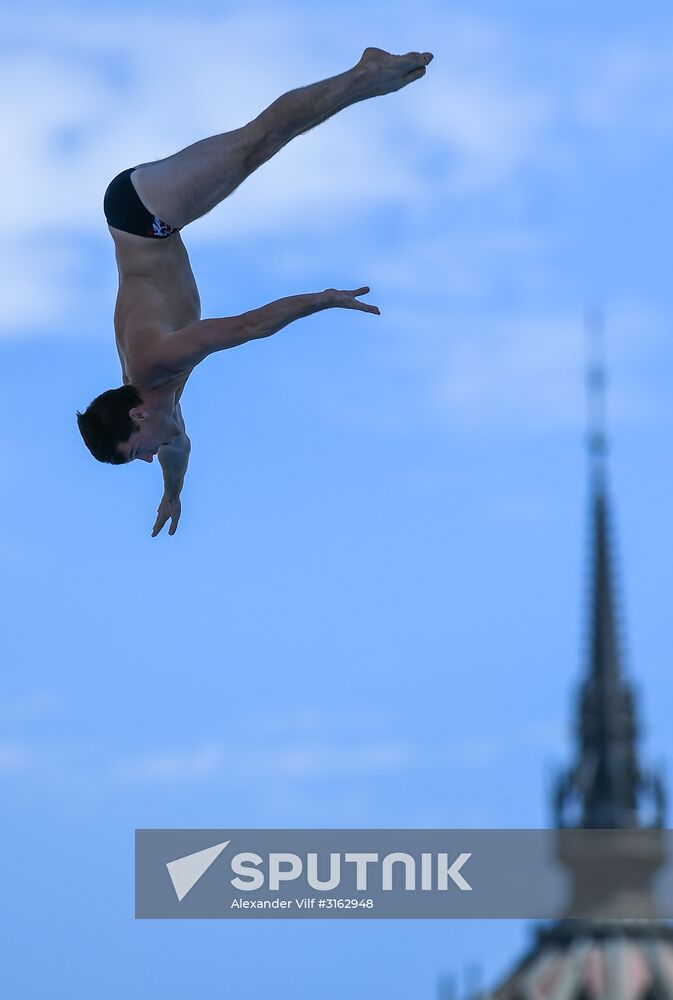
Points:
x=630 y=955
x=606 y=788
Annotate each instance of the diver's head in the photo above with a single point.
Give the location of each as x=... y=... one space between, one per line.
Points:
x=119 y=426
x=108 y=421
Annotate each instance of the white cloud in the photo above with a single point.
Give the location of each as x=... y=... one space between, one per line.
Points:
x=534 y=738
x=286 y=762
x=310 y=760
x=491 y=126
x=42 y=283
x=196 y=764
x=526 y=371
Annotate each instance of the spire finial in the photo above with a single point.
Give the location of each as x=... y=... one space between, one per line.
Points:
x=596 y=389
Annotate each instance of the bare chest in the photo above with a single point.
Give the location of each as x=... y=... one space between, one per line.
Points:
x=157 y=294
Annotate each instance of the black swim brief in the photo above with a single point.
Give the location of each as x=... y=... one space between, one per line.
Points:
x=124 y=210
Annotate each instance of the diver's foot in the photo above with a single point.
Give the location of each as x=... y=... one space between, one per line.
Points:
x=387 y=73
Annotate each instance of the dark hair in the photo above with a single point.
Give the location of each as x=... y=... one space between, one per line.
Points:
x=106 y=423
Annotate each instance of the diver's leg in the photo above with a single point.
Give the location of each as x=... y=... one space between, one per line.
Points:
x=183 y=187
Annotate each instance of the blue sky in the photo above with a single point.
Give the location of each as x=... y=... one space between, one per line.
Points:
x=372 y=612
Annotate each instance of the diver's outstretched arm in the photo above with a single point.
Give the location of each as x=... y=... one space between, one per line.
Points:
x=271 y=318
x=183 y=349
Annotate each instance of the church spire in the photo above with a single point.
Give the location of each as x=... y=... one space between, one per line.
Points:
x=606 y=788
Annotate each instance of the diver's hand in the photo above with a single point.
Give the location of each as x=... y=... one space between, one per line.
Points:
x=170 y=507
x=336 y=298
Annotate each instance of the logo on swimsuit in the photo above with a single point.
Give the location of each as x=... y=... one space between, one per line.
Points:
x=160 y=228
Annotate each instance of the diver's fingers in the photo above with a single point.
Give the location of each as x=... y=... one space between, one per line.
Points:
x=159 y=523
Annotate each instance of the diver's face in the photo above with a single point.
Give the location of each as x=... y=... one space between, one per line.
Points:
x=153 y=432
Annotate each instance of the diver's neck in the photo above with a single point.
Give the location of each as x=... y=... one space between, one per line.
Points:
x=159 y=400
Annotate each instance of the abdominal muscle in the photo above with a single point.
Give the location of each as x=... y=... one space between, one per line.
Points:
x=157 y=295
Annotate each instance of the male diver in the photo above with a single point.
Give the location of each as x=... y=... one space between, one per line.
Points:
x=159 y=334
